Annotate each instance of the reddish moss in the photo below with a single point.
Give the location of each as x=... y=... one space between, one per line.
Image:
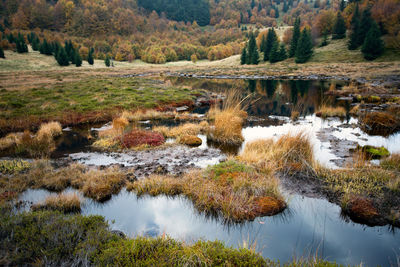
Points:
x=362 y=208
x=269 y=205
x=140 y=137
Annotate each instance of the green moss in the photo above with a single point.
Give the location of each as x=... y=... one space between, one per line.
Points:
x=227 y=167
x=375 y=152
x=13 y=166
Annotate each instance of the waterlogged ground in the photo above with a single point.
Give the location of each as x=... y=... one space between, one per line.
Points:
x=308 y=226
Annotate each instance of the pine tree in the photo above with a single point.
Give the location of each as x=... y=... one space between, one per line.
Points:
x=304 y=47
x=35 y=44
x=271 y=39
x=252 y=52
x=90 y=59
x=274 y=54
x=107 y=61
x=295 y=38
x=339 y=29
x=354 y=41
x=20 y=44
x=263 y=42
x=282 y=52
x=78 y=59
x=324 y=39
x=243 y=57
x=365 y=25
x=373 y=45
x=45 y=48
x=62 y=57
x=2 y=52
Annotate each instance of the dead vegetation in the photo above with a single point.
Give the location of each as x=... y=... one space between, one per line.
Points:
x=64 y=202
x=231 y=189
x=327 y=111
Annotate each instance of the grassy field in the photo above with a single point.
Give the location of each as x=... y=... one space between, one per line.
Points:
x=77 y=101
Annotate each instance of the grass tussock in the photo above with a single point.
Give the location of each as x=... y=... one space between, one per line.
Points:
x=228 y=121
x=380 y=123
x=14 y=166
x=392 y=162
x=290 y=153
x=36 y=145
x=141 y=138
x=182 y=130
x=97 y=184
x=326 y=111
x=65 y=202
x=231 y=189
x=294 y=115
x=152 y=114
x=190 y=140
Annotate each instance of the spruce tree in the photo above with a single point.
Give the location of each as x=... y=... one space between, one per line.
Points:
x=243 y=57
x=365 y=25
x=78 y=59
x=339 y=29
x=2 y=52
x=271 y=39
x=295 y=38
x=282 y=52
x=62 y=57
x=35 y=44
x=107 y=61
x=373 y=45
x=90 y=59
x=20 y=44
x=304 y=47
x=354 y=41
x=252 y=52
x=263 y=42
x=274 y=54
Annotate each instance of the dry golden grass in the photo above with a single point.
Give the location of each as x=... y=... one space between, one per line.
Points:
x=326 y=111
x=230 y=189
x=190 y=140
x=65 y=202
x=288 y=153
x=50 y=129
x=228 y=121
x=182 y=130
x=148 y=114
x=294 y=115
x=392 y=162
x=10 y=140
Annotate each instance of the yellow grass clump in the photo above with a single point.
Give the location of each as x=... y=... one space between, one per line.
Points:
x=230 y=189
x=326 y=111
x=182 y=130
x=50 y=129
x=228 y=121
x=65 y=202
x=289 y=153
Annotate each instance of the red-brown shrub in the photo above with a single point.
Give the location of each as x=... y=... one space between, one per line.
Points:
x=140 y=137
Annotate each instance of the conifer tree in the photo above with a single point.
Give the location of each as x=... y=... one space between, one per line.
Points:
x=373 y=45
x=354 y=41
x=365 y=25
x=274 y=53
x=324 y=39
x=107 y=61
x=20 y=44
x=304 y=47
x=295 y=38
x=282 y=52
x=62 y=57
x=78 y=59
x=90 y=59
x=252 y=52
x=339 y=29
x=35 y=44
x=263 y=42
x=271 y=39
x=243 y=57
x=2 y=52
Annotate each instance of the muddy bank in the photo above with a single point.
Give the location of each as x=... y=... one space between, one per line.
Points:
x=174 y=159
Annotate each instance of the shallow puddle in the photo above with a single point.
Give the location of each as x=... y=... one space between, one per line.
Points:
x=308 y=227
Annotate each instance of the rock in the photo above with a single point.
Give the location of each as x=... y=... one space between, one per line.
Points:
x=183 y=108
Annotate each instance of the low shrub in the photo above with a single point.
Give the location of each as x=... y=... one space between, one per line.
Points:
x=13 y=166
x=138 y=137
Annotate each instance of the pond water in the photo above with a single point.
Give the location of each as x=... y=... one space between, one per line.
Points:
x=307 y=227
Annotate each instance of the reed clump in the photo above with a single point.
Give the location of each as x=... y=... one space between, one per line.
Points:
x=327 y=111
x=38 y=145
x=65 y=202
x=228 y=120
x=230 y=189
x=290 y=153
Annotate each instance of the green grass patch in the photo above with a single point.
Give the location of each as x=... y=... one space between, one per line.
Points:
x=13 y=166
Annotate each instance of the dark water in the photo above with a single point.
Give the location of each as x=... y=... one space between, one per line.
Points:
x=309 y=227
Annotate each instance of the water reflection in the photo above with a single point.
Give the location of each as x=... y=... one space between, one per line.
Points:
x=310 y=226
